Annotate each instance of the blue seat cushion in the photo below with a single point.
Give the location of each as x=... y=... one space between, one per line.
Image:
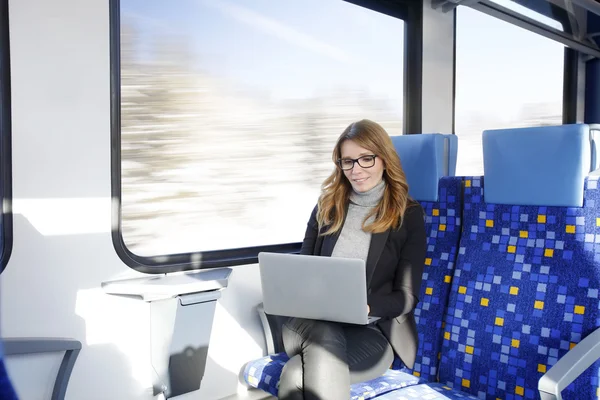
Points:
x=429 y=391
x=264 y=374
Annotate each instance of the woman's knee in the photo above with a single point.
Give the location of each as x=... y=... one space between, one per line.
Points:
x=325 y=331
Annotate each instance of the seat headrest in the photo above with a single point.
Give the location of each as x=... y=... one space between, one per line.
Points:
x=541 y=166
x=425 y=158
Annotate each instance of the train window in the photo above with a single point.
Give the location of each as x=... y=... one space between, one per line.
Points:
x=230 y=109
x=5 y=141
x=506 y=77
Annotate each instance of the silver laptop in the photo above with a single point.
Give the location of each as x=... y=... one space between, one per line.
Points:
x=315 y=287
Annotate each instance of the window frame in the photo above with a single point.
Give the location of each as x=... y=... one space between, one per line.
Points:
x=407 y=10
x=5 y=138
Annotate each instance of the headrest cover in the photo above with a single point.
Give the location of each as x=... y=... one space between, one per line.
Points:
x=425 y=159
x=542 y=166
x=452 y=153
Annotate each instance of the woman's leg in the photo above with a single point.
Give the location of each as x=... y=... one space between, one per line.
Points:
x=318 y=367
x=326 y=357
x=291 y=381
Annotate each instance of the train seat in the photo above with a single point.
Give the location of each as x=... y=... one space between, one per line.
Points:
x=427 y=161
x=518 y=319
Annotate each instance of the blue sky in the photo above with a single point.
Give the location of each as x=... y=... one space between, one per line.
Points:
x=299 y=48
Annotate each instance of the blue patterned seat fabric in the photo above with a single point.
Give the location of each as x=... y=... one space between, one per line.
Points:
x=443 y=233
x=264 y=374
x=428 y=391
x=516 y=305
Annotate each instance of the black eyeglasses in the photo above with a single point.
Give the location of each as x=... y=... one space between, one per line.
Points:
x=364 y=161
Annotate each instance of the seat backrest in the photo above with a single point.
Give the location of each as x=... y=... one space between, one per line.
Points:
x=525 y=288
x=427 y=161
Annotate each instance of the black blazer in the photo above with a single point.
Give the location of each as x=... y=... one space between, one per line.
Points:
x=394 y=269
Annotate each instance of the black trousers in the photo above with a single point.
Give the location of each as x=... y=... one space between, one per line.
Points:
x=327 y=357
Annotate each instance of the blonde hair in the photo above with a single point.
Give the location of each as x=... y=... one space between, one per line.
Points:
x=336 y=189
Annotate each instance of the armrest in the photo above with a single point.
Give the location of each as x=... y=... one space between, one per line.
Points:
x=272 y=325
x=71 y=347
x=266 y=329
x=569 y=367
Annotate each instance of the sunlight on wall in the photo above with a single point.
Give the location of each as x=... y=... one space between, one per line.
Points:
x=66 y=216
x=230 y=343
x=121 y=322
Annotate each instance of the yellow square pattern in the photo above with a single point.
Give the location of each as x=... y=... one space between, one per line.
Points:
x=514 y=290
x=579 y=310
x=541 y=219
x=485 y=302
x=519 y=390
x=429 y=290
x=489 y=223
x=570 y=229
x=542 y=368
x=523 y=234
x=539 y=305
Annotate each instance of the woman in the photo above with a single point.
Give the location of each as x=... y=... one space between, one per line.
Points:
x=364 y=212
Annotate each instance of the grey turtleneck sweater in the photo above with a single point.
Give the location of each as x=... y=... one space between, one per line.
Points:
x=353 y=242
